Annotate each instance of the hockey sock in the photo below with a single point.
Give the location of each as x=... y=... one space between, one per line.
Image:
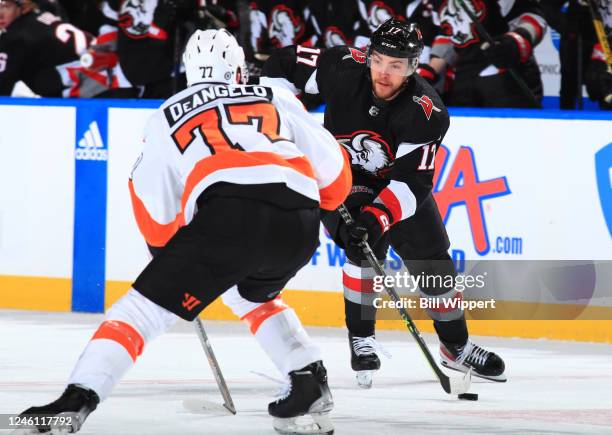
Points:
x=359 y=299
x=130 y=323
x=452 y=332
x=277 y=329
x=359 y=318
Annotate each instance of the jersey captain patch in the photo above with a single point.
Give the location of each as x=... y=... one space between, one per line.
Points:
x=369 y=152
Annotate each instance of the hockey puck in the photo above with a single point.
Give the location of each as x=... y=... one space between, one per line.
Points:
x=468 y=396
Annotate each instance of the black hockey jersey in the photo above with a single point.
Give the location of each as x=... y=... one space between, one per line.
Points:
x=392 y=145
x=276 y=24
x=421 y=12
x=460 y=35
x=145 y=42
x=43 y=52
x=338 y=23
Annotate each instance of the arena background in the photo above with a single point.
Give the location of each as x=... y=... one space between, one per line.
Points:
x=511 y=184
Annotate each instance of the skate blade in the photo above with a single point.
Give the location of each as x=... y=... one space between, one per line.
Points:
x=364 y=378
x=310 y=424
x=463 y=369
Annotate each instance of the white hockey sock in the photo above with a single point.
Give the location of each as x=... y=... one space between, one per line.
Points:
x=277 y=329
x=130 y=323
x=358 y=283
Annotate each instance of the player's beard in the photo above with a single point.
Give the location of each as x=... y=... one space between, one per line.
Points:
x=386 y=90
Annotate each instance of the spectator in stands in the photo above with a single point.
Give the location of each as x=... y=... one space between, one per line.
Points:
x=44 y=52
x=481 y=69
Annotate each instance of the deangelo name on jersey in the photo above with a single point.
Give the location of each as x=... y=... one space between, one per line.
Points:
x=176 y=111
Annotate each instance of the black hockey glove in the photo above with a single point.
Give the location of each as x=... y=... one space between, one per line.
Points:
x=509 y=49
x=373 y=221
x=599 y=84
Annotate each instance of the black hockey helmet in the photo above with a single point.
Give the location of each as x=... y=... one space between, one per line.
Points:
x=399 y=39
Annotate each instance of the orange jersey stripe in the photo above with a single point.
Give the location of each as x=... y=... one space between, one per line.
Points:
x=335 y=194
x=124 y=334
x=257 y=316
x=155 y=234
x=241 y=159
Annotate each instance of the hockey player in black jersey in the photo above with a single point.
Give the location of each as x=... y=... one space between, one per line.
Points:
x=43 y=51
x=481 y=69
x=391 y=122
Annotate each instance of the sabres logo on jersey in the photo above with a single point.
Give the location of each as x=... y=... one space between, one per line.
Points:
x=378 y=13
x=136 y=17
x=456 y=22
x=369 y=152
x=286 y=27
x=334 y=36
x=428 y=106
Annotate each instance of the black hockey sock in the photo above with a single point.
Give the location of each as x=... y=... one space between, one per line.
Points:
x=360 y=319
x=453 y=332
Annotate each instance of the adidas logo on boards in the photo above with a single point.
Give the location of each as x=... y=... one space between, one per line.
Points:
x=91 y=147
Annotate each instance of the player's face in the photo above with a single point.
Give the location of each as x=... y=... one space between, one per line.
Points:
x=388 y=74
x=9 y=11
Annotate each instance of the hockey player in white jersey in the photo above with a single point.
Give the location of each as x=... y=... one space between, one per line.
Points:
x=227 y=194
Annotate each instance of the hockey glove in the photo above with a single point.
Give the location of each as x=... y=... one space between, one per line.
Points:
x=370 y=225
x=599 y=84
x=509 y=49
x=428 y=73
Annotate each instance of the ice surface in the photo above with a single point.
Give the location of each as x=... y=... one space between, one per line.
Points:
x=553 y=387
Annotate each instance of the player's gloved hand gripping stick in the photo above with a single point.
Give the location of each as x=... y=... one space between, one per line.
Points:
x=450 y=385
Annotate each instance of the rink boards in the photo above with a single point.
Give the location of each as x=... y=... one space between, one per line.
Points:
x=511 y=185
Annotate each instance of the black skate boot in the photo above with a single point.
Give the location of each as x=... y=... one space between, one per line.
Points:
x=71 y=410
x=364 y=359
x=483 y=363
x=307 y=394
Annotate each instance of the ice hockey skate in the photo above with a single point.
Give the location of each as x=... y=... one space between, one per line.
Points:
x=71 y=410
x=364 y=359
x=484 y=364
x=307 y=398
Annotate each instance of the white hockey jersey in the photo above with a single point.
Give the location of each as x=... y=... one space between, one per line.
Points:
x=237 y=134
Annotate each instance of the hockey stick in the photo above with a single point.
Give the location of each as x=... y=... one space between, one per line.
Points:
x=487 y=37
x=201 y=406
x=450 y=385
x=601 y=32
x=602 y=38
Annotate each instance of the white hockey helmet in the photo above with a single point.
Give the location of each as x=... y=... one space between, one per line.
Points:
x=214 y=56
